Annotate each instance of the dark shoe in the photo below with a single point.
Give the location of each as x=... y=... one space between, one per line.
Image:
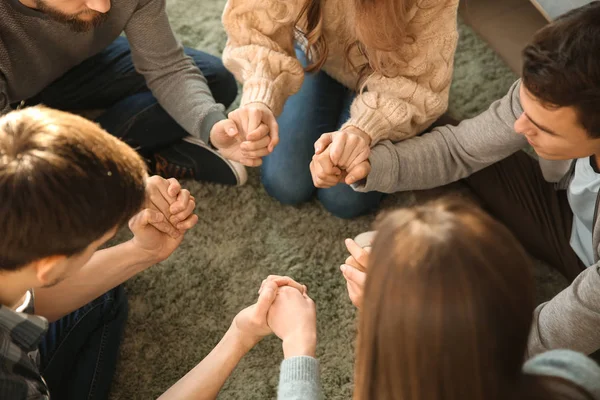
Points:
x=191 y=158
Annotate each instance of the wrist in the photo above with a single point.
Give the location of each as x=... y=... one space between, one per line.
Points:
x=142 y=257
x=300 y=345
x=242 y=340
x=359 y=132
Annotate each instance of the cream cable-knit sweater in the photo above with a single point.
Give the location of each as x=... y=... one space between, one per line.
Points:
x=260 y=53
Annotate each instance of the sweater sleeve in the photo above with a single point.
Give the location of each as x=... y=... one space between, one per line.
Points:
x=397 y=108
x=260 y=50
x=174 y=79
x=568 y=365
x=4 y=102
x=447 y=153
x=299 y=379
x=571 y=318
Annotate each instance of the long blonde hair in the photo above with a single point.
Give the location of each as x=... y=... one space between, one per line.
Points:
x=380 y=32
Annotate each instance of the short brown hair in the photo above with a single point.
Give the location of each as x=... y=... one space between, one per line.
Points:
x=561 y=66
x=447 y=309
x=64 y=182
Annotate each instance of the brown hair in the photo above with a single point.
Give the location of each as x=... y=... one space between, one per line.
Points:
x=380 y=29
x=561 y=66
x=447 y=309
x=64 y=183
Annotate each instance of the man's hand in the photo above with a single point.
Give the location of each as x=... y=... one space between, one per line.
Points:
x=250 y=117
x=354 y=271
x=176 y=205
x=157 y=232
x=231 y=141
x=293 y=317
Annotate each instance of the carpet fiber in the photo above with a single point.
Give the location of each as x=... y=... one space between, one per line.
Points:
x=180 y=309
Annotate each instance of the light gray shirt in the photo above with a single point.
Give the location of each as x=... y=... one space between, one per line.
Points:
x=582 y=194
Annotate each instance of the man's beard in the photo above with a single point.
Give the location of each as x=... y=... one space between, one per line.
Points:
x=73 y=20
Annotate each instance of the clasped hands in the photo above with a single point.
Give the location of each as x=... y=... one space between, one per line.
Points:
x=341 y=157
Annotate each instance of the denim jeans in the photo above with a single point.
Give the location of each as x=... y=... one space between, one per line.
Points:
x=80 y=351
x=322 y=105
x=108 y=81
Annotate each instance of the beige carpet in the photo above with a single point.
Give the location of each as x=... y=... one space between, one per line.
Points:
x=180 y=308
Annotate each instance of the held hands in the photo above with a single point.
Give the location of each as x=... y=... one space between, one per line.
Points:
x=355 y=271
x=250 y=133
x=168 y=213
x=283 y=308
x=341 y=156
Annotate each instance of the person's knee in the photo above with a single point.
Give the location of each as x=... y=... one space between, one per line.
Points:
x=284 y=189
x=221 y=82
x=347 y=206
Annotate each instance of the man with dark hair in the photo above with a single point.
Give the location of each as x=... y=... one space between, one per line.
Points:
x=65 y=188
x=550 y=205
x=162 y=99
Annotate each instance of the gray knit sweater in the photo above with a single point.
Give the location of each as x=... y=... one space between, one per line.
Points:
x=35 y=51
x=299 y=378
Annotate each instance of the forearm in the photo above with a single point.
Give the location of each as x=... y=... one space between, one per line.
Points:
x=207 y=378
x=571 y=319
x=173 y=77
x=447 y=153
x=260 y=50
x=106 y=269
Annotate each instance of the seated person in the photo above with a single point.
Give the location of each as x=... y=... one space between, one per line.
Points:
x=65 y=188
x=446 y=312
x=159 y=97
x=554 y=109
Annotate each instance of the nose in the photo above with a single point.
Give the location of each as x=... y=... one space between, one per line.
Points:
x=102 y=6
x=523 y=126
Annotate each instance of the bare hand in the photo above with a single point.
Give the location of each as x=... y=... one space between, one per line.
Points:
x=251 y=116
x=248 y=150
x=251 y=322
x=293 y=318
x=174 y=203
x=354 y=271
x=324 y=173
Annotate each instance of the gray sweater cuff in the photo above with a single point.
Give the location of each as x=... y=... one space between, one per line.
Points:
x=299 y=379
x=208 y=122
x=381 y=177
x=569 y=365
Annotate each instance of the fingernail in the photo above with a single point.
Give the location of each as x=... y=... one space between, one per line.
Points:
x=231 y=130
x=181 y=227
x=348 y=240
x=343 y=268
x=351 y=178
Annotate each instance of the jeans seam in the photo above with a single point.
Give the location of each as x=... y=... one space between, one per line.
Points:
x=51 y=357
x=98 y=362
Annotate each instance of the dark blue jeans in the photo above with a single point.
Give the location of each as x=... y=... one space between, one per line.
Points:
x=80 y=351
x=108 y=81
x=322 y=105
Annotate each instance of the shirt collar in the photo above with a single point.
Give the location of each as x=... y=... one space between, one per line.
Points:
x=26 y=330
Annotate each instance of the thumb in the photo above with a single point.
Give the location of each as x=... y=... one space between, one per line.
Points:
x=353 y=275
x=265 y=299
x=323 y=142
x=230 y=128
